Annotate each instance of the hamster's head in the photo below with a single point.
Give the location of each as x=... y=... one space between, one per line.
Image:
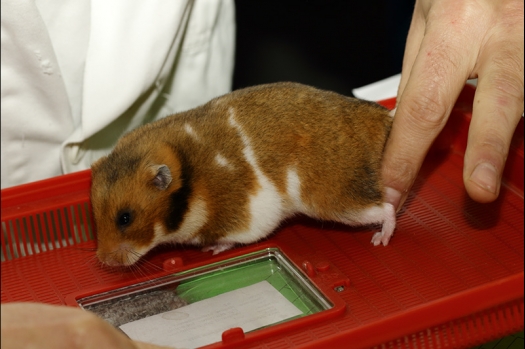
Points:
x=135 y=197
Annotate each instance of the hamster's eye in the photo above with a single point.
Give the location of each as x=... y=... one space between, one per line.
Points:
x=124 y=219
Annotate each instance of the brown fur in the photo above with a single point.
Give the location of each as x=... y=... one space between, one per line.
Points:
x=335 y=144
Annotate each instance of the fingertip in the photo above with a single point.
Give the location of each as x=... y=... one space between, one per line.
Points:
x=483 y=183
x=394 y=197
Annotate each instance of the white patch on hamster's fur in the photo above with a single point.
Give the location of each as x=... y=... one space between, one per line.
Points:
x=195 y=241
x=266 y=206
x=293 y=189
x=132 y=258
x=222 y=161
x=384 y=214
x=392 y=113
x=126 y=254
x=218 y=248
x=189 y=130
x=194 y=220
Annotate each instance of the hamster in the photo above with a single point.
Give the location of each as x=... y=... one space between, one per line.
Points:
x=229 y=171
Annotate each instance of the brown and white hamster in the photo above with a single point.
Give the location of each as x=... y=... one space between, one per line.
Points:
x=231 y=170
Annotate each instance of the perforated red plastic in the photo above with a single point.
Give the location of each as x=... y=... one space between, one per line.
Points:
x=452 y=276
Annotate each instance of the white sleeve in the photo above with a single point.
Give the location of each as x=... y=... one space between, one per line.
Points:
x=36 y=115
x=143 y=61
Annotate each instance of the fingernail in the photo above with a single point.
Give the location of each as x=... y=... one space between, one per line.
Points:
x=485 y=176
x=392 y=196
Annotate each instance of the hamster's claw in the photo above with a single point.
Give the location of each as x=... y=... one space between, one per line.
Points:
x=218 y=248
x=381 y=237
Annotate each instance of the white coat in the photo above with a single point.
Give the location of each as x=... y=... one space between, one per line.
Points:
x=76 y=75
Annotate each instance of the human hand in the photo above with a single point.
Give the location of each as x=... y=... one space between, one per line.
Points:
x=35 y=325
x=449 y=42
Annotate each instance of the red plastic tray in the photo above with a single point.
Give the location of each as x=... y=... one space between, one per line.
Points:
x=452 y=276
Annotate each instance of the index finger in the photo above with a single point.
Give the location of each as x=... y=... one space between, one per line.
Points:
x=438 y=75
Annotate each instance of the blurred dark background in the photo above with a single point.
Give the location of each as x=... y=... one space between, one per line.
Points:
x=337 y=45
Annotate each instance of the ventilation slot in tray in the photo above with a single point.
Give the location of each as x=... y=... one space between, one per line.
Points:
x=46 y=231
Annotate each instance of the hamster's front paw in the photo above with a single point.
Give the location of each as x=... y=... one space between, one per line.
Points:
x=218 y=248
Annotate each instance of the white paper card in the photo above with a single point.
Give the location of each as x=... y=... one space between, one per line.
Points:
x=203 y=322
x=383 y=89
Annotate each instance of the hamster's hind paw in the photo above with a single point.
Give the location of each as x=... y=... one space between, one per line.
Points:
x=218 y=248
x=389 y=224
x=379 y=238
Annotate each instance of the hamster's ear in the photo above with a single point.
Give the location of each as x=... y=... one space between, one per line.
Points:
x=162 y=176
